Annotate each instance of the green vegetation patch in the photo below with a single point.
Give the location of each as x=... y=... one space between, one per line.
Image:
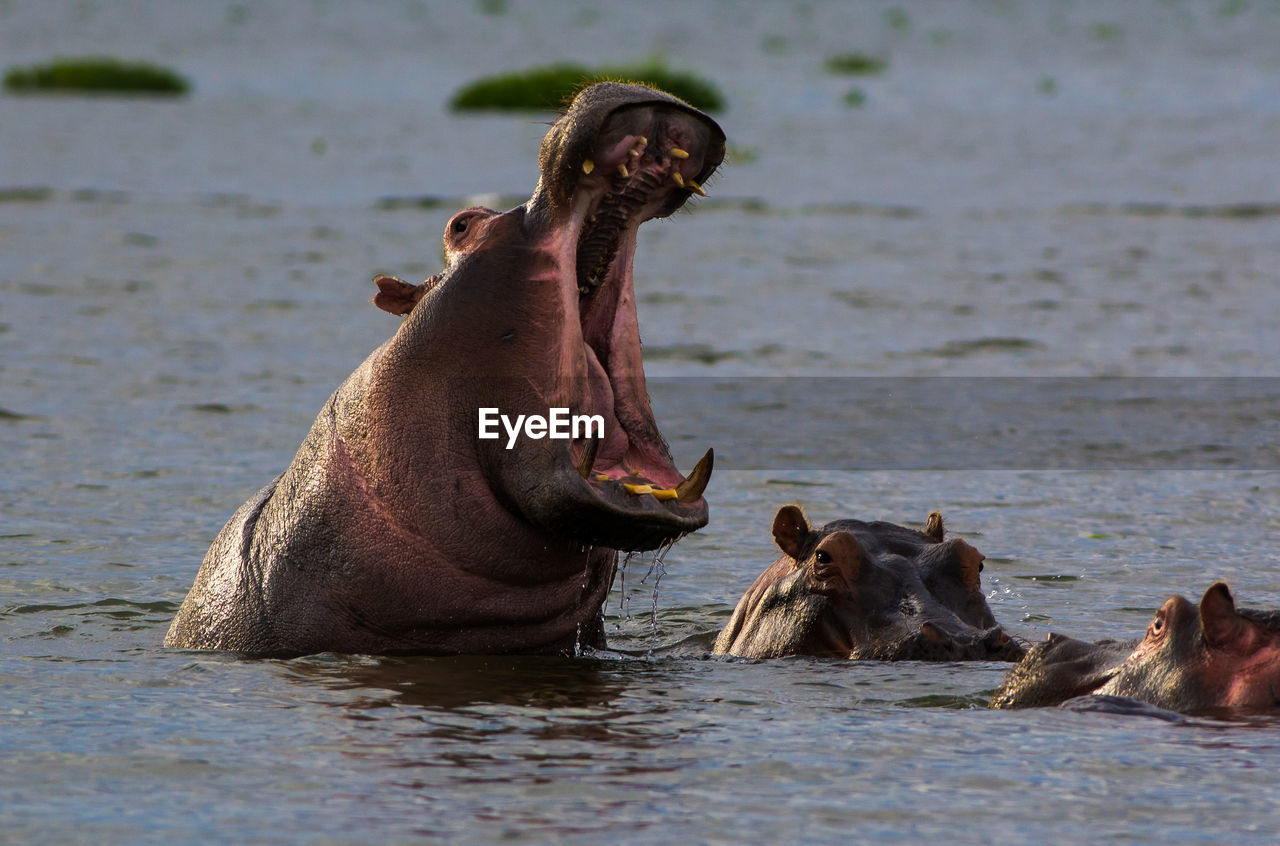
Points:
x=550 y=87
x=855 y=64
x=96 y=75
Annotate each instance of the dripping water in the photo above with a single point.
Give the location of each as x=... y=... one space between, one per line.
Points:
x=586 y=590
x=624 y=602
x=657 y=570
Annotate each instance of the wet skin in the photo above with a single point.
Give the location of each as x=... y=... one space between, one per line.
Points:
x=396 y=529
x=1194 y=658
x=867 y=591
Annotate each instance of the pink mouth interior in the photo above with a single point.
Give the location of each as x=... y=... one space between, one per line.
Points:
x=633 y=450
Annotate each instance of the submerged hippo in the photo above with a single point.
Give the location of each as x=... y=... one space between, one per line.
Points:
x=1192 y=659
x=397 y=528
x=870 y=591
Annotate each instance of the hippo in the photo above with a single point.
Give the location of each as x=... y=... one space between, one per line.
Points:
x=398 y=528
x=1193 y=659
x=867 y=591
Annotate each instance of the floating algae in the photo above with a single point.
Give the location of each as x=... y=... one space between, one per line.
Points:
x=549 y=87
x=95 y=75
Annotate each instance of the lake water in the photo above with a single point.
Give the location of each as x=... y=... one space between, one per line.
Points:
x=1079 y=199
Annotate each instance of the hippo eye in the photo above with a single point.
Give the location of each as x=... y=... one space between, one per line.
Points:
x=460 y=225
x=823 y=556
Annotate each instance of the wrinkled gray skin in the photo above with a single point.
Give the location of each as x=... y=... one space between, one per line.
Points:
x=1061 y=668
x=867 y=591
x=1194 y=658
x=396 y=529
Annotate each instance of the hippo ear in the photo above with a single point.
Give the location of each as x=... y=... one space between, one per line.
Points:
x=790 y=528
x=933 y=528
x=1219 y=622
x=395 y=296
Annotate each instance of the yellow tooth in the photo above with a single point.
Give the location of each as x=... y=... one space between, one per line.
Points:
x=637 y=490
x=694 y=187
x=644 y=142
x=622 y=169
x=678 y=153
x=588 y=166
x=635 y=153
x=600 y=477
x=664 y=493
x=675 y=174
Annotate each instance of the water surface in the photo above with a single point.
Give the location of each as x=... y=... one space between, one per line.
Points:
x=1031 y=191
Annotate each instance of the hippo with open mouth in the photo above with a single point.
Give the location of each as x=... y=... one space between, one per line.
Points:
x=397 y=528
x=1194 y=658
x=867 y=591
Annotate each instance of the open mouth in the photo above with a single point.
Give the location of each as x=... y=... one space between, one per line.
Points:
x=639 y=175
x=646 y=161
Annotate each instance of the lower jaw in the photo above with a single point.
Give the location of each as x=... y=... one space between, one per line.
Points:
x=632 y=470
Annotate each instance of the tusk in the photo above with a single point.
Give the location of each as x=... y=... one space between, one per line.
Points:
x=678 y=153
x=690 y=490
x=637 y=490
x=588 y=457
x=675 y=174
x=695 y=187
x=622 y=170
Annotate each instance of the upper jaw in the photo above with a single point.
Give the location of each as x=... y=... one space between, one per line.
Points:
x=591 y=137
x=1080 y=658
x=645 y=165
x=1060 y=668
